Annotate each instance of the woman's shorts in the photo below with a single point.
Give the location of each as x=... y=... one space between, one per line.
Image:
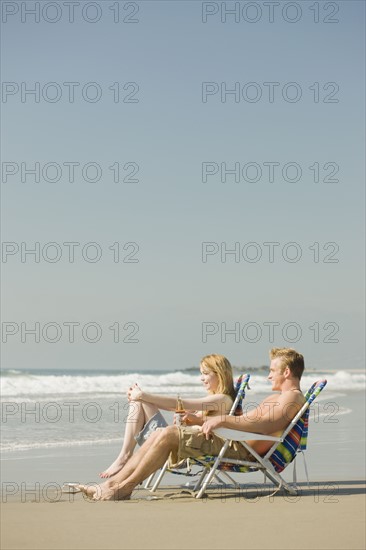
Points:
x=193 y=443
x=156 y=421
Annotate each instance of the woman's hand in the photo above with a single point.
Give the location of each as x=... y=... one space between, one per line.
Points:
x=191 y=419
x=134 y=393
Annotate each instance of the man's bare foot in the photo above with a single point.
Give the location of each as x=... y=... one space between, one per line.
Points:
x=110 y=491
x=89 y=490
x=114 y=468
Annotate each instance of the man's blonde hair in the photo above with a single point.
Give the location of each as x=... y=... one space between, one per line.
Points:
x=289 y=358
x=221 y=366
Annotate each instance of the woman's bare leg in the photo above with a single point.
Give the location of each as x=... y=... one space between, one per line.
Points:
x=139 y=414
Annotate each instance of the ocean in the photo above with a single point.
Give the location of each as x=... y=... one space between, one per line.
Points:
x=53 y=418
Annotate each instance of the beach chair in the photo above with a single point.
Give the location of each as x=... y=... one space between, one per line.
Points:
x=283 y=451
x=241 y=385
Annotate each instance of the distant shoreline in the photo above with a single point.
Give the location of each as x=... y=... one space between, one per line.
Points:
x=66 y=370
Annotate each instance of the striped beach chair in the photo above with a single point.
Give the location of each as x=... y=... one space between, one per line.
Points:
x=283 y=451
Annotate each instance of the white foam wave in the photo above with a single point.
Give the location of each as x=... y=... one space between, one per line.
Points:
x=30 y=386
x=56 y=385
x=343 y=380
x=339 y=381
x=22 y=446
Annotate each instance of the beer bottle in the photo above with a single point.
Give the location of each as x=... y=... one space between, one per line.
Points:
x=179 y=412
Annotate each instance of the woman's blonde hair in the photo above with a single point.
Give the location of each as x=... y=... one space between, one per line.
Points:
x=221 y=366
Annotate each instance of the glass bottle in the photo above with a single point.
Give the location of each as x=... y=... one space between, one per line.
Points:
x=179 y=412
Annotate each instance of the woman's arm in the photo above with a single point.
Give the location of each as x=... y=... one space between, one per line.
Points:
x=215 y=403
x=193 y=419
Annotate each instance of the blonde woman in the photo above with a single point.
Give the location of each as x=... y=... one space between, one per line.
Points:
x=144 y=416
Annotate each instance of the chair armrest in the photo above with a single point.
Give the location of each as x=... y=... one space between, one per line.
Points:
x=237 y=435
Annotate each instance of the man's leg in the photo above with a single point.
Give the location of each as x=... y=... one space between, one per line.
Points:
x=152 y=455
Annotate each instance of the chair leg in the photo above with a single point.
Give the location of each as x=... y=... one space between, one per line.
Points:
x=213 y=470
x=149 y=480
x=229 y=477
x=199 y=482
x=160 y=477
x=280 y=482
x=205 y=472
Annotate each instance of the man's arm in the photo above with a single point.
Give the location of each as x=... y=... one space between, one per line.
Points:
x=272 y=415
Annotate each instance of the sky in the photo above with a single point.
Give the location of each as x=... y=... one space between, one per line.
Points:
x=206 y=172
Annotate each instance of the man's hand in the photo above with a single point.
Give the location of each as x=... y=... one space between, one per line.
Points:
x=211 y=423
x=134 y=393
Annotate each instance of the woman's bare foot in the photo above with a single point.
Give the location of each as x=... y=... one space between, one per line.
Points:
x=117 y=465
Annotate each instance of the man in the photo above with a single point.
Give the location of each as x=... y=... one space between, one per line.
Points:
x=270 y=417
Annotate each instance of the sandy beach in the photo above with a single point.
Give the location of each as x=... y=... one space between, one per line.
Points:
x=329 y=515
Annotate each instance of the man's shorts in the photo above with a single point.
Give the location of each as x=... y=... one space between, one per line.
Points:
x=156 y=421
x=193 y=443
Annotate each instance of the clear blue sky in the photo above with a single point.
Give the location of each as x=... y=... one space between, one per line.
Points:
x=170 y=212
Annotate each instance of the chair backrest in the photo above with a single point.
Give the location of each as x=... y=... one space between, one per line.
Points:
x=295 y=435
x=310 y=395
x=241 y=385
